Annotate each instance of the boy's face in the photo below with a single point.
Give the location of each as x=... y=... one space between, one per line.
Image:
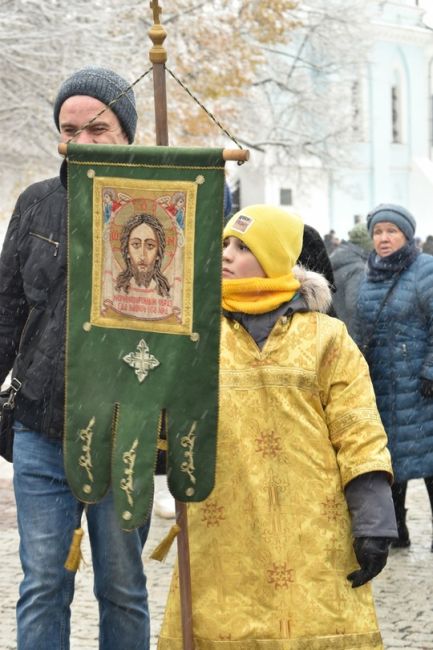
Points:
x=238 y=261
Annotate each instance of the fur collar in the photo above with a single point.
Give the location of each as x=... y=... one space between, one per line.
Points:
x=313 y=295
x=315 y=290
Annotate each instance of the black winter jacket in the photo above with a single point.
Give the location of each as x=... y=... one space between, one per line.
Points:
x=33 y=305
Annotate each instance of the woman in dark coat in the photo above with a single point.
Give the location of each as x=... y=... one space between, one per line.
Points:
x=394 y=328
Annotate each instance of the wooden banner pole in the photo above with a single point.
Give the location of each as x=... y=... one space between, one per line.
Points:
x=158 y=58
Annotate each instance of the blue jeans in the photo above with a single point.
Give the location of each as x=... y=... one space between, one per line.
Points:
x=47 y=515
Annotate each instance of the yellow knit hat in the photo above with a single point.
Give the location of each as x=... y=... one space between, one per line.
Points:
x=272 y=234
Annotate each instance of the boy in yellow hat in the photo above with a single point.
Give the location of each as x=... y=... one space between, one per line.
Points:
x=301 y=515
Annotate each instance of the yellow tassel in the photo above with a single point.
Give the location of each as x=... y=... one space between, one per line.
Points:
x=74 y=556
x=161 y=551
x=162 y=444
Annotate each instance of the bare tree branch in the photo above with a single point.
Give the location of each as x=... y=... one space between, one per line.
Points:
x=267 y=71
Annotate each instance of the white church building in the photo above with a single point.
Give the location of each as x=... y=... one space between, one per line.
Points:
x=393 y=150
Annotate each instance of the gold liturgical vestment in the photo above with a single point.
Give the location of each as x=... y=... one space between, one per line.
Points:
x=271 y=546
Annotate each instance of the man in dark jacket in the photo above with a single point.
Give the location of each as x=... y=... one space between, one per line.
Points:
x=32 y=340
x=349 y=262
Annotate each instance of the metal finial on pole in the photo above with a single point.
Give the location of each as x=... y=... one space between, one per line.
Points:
x=157 y=11
x=158 y=57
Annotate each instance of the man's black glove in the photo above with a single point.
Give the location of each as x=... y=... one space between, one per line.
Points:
x=426 y=387
x=371 y=553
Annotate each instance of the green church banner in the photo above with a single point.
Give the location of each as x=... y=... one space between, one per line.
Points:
x=143 y=322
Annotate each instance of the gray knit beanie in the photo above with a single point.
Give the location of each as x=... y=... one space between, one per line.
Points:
x=105 y=85
x=395 y=214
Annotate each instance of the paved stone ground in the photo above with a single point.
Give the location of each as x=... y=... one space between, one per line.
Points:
x=403 y=591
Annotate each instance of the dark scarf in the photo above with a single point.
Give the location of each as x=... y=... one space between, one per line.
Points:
x=384 y=268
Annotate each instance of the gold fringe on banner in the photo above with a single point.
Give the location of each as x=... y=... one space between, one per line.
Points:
x=74 y=556
x=161 y=551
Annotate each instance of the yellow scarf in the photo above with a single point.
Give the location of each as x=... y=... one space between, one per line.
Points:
x=258 y=295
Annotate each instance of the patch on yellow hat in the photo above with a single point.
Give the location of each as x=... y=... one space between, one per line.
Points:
x=242 y=223
x=272 y=234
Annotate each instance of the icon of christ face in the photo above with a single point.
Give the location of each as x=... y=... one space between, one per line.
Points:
x=142 y=251
x=142 y=246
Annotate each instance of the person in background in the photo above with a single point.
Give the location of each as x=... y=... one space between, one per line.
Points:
x=427 y=247
x=394 y=328
x=228 y=202
x=301 y=514
x=419 y=243
x=33 y=271
x=348 y=263
x=315 y=258
x=331 y=241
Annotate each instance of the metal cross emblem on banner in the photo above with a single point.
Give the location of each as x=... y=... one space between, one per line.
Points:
x=141 y=360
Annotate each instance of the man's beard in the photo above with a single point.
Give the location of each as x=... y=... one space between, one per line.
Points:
x=142 y=278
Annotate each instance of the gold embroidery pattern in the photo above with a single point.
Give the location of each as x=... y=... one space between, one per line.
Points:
x=332 y=509
x=85 y=460
x=213 y=514
x=285 y=632
x=141 y=360
x=188 y=465
x=280 y=576
x=144 y=165
x=342 y=598
x=268 y=444
x=331 y=355
x=269 y=376
x=127 y=483
x=335 y=555
x=354 y=417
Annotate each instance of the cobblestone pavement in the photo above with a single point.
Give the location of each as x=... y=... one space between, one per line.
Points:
x=403 y=591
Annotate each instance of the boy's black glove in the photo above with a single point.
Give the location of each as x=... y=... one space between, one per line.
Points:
x=426 y=387
x=371 y=553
